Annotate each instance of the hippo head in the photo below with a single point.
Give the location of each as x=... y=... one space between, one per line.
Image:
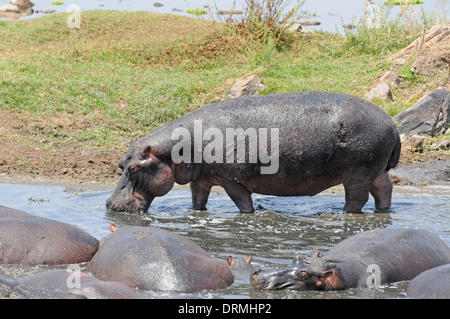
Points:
x=147 y=173
x=305 y=273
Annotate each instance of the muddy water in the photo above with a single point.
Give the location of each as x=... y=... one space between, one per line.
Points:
x=280 y=228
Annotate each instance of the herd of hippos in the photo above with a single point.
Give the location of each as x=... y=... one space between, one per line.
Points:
x=324 y=139
x=150 y=258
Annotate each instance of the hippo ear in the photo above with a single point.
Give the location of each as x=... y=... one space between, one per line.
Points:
x=230 y=261
x=329 y=280
x=249 y=259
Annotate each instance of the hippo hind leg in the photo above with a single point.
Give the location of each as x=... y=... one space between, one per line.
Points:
x=239 y=195
x=381 y=190
x=357 y=191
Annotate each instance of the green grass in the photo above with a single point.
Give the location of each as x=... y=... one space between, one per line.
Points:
x=398 y=2
x=124 y=74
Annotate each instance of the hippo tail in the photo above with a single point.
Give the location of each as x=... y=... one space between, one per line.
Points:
x=395 y=156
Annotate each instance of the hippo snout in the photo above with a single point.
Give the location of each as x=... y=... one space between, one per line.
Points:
x=277 y=279
x=255 y=281
x=125 y=202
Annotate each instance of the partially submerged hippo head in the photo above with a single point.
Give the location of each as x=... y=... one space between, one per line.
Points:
x=147 y=173
x=241 y=268
x=305 y=273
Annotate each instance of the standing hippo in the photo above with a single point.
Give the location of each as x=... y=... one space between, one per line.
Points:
x=367 y=259
x=317 y=140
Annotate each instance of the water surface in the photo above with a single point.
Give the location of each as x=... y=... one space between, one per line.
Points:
x=331 y=13
x=280 y=228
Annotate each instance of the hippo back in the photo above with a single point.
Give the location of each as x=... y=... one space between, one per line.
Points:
x=320 y=133
x=401 y=254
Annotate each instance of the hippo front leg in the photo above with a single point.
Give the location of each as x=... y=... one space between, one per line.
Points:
x=356 y=196
x=239 y=195
x=200 y=192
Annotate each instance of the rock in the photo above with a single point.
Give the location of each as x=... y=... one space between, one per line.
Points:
x=434 y=35
x=8 y=7
x=381 y=88
x=431 y=284
x=390 y=78
x=247 y=86
x=429 y=116
x=309 y=23
x=440 y=145
x=64 y=282
x=48 y=11
x=22 y=4
x=230 y=12
x=430 y=172
x=10 y=16
x=155 y=259
x=381 y=91
x=413 y=144
x=431 y=52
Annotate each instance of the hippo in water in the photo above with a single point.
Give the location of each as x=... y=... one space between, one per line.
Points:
x=241 y=268
x=150 y=258
x=26 y=239
x=431 y=284
x=74 y=281
x=293 y=144
x=367 y=259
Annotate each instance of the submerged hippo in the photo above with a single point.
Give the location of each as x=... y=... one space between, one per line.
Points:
x=26 y=239
x=291 y=144
x=73 y=281
x=431 y=284
x=155 y=259
x=241 y=268
x=373 y=257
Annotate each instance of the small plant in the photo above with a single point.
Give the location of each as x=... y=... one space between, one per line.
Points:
x=197 y=11
x=31 y=199
x=402 y=3
x=264 y=23
x=57 y=3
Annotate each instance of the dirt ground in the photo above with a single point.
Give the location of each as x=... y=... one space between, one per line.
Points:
x=29 y=155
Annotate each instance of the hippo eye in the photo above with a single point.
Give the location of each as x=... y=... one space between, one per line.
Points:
x=303 y=275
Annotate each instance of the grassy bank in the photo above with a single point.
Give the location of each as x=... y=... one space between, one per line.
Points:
x=68 y=93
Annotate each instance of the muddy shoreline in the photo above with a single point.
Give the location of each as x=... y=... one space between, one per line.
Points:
x=430 y=176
